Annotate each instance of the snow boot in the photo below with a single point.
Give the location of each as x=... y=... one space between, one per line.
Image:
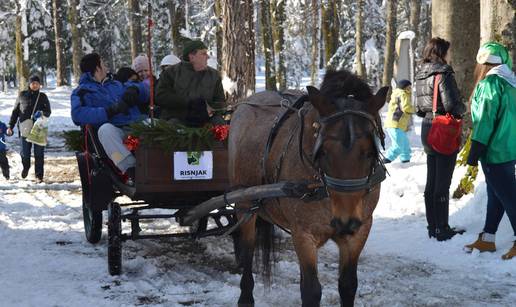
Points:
x=430 y=214
x=484 y=243
x=511 y=253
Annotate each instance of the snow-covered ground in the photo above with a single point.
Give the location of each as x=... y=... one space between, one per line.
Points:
x=46 y=261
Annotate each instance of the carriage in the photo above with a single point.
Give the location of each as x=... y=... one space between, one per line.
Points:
x=155 y=186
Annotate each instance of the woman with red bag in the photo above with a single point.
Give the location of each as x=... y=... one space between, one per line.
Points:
x=440 y=166
x=493 y=141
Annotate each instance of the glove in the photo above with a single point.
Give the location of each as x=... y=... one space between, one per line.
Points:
x=117 y=108
x=475 y=152
x=37 y=115
x=197 y=113
x=131 y=96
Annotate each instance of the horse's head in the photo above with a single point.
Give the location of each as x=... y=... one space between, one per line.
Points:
x=346 y=150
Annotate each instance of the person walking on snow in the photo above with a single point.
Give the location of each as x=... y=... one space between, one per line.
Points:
x=4 y=162
x=398 y=118
x=493 y=141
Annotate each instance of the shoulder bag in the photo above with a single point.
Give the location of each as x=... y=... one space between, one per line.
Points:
x=26 y=126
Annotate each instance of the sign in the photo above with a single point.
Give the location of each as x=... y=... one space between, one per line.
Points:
x=193 y=165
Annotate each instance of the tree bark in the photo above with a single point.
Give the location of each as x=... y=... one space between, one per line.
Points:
x=22 y=72
x=330 y=27
x=135 y=27
x=278 y=20
x=268 y=45
x=359 y=44
x=498 y=23
x=414 y=18
x=74 y=21
x=314 y=66
x=218 y=34
x=458 y=22
x=238 y=47
x=390 y=39
x=60 y=63
x=177 y=22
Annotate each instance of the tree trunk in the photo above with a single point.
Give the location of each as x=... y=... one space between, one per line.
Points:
x=60 y=63
x=498 y=23
x=218 y=34
x=74 y=21
x=268 y=45
x=238 y=47
x=390 y=39
x=414 y=18
x=314 y=66
x=278 y=20
x=330 y=26
x=359 y=44
x=22 y=72
x=135 y=27
x=177 y=22
x=458 y=22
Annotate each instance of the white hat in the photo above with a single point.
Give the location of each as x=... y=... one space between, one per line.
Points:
x=169 y=60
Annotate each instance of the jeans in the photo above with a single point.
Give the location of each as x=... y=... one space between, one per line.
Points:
x=39 y=157
x=4 y=163
x=400 y=145
x=501 y=194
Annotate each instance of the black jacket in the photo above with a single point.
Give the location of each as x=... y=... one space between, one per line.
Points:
x=25 y=104
x=448 y=101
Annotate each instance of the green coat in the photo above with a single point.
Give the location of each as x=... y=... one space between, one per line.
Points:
x=400 y=110
x=493 y=111
x=180 y=83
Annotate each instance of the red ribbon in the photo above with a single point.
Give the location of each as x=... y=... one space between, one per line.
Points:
x=220 y=132
x=132 y=142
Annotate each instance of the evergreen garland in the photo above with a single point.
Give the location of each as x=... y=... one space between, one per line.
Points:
x=466 y=184
x=173 y=136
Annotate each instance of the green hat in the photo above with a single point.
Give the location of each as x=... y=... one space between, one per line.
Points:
x=191 y=46
x=494 y=53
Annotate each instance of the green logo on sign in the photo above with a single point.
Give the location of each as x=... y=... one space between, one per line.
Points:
x=193 y=157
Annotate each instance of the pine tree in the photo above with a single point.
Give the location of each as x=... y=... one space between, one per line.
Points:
x=390 y=38
x=268 y=45
x=135 y=27
x=75 y=26
x=359 y=63
x=60 y=61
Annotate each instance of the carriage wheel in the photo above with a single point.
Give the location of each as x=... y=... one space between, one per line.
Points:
x=92 y=219
x=114 y=239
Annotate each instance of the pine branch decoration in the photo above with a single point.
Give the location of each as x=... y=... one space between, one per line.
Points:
x=466 y=184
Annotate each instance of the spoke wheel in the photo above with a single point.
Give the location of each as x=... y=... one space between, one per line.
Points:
x=114 y=239
x=92 y=219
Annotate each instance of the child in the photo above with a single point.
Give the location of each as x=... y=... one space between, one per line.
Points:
x=398 y=117
x=4 y=163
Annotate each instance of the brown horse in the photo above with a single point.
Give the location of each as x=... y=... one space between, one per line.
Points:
x=331 y=140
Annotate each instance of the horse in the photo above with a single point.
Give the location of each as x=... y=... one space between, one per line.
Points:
x=331 y=140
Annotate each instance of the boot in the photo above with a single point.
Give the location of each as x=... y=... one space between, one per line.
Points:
x=511 y=253
x=26 y=167
x=484 y=243
x=446 y=216
x=444 y=233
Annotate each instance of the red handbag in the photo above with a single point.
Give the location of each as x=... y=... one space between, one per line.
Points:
x=445 y=133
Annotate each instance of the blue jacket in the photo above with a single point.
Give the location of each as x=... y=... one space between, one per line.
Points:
x=91 y=98
x=3 y=129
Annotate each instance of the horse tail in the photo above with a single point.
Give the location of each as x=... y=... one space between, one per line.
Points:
x=266 y=251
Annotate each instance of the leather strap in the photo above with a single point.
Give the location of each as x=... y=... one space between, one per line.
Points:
x=437 y=79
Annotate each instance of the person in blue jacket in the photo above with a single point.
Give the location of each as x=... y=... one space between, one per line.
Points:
x=4 y=163
x=109 y=105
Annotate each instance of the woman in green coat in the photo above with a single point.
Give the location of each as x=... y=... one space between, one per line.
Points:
x=493 y=141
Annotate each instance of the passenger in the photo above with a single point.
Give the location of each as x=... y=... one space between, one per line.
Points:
x=109 y=105
x=125 y=74
x=493 y=141
x=398 y=117
x=142 y=68
x=191 y=91
x=168 y=61
x=30 y=105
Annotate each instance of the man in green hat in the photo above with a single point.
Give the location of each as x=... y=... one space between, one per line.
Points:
x=190 y=91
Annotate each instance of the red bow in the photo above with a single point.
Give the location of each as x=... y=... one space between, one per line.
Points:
x=220 y=132
x=132 y=142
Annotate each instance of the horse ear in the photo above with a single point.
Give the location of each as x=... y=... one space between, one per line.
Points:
x=320 y=103
x=378 y=100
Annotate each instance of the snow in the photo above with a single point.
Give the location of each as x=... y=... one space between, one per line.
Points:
x=46 y=260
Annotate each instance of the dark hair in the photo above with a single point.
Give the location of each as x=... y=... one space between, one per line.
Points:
x=90 y=62
x=124 y=74
x=34 y=78
x=436 y=50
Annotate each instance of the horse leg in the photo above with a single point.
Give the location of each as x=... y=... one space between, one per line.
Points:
x=247 y=242
x=350 y=248
x=306 y=251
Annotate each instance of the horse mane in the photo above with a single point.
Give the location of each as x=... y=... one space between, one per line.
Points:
x=343 y=83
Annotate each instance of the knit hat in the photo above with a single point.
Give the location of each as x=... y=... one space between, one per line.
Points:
x=191 y=46
x=494 y=53
x=169 y=60
x=34 y=78
x=404 y=83
x=140 y=63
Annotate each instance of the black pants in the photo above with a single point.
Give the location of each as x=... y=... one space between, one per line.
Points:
x=4 y=163
x=437 y=190
x=39 y=157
